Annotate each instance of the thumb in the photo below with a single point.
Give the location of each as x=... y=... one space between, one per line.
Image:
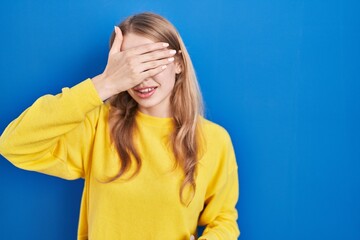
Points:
x=115 y=48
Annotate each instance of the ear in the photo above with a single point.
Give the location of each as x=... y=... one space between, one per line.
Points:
x=178 y=67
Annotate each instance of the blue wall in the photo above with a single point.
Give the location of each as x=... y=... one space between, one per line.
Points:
x=282 y=76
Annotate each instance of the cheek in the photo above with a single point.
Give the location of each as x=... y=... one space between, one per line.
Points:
x=167 y=76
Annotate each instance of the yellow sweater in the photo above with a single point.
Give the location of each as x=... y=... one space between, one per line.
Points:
x=67 y=136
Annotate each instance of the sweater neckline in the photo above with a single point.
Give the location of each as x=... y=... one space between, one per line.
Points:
x=162 y=122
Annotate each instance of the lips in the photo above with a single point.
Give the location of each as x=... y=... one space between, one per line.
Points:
x=145 y=92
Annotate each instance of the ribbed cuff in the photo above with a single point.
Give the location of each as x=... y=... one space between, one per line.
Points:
x=86 y=95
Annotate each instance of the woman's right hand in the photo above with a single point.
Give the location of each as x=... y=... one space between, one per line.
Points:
x=126 y=69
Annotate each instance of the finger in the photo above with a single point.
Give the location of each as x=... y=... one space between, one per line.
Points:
x=192 y=237
x=155 y=55
x=116 y=46
x=152 y=72
x=154 y=64
x=148 y=48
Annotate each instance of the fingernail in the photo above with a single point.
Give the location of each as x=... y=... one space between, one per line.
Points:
x=165 y=44
x=172 y=51
x=171 y=59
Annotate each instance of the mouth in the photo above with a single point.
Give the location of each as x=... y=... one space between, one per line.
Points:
x=145 y=92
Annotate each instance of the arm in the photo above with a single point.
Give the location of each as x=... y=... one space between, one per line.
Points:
x=54 y=135
x=220 y=214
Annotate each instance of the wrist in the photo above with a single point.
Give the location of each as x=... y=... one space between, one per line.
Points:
x=102 y=87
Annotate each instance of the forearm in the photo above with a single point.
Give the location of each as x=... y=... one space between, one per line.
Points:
x=220 y=215
x=222 y=228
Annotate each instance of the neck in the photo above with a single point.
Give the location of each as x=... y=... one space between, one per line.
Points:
x=162 y=110
x=157 y=112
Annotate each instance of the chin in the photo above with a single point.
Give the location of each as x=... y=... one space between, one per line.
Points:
x=145 y=103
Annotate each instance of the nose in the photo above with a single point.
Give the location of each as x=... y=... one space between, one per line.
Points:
x=145 y=80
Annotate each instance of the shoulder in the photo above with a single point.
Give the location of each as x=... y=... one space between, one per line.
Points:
x=216 y=139
x=212 y=130
x=218 y=159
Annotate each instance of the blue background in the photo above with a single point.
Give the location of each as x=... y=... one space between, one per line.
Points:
x=281 y=76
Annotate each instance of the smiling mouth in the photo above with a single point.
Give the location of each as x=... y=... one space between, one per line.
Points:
x=145 y=92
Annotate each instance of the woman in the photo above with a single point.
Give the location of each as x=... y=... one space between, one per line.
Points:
x=154 y=168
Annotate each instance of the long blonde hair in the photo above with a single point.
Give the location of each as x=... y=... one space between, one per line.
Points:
x=186 y=103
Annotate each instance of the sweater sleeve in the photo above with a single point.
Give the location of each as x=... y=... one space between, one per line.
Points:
x=54 y=135
x=220 y=214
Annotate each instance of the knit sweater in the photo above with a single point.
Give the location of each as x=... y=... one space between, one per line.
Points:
x=67 y=135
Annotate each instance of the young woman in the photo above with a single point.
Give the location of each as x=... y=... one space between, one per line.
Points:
x=154 y=168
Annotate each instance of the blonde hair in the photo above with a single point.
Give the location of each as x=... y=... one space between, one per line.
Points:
x=186 y=104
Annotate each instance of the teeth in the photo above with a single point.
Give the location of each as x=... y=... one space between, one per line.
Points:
x=146 y=90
